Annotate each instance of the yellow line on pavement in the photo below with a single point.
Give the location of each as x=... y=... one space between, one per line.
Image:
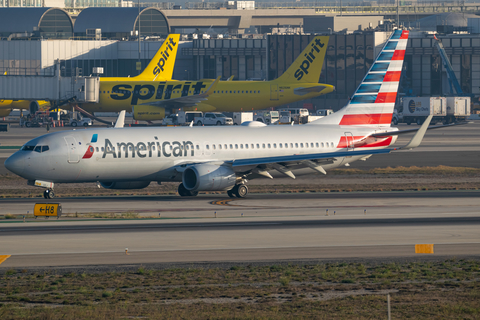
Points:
x=424 y=248
x=3 y=258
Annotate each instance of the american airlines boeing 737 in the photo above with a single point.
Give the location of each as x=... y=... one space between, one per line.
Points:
x=224 y=158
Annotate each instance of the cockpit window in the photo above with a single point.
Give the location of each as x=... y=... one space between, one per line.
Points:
x=35 y=148
x=27 y=148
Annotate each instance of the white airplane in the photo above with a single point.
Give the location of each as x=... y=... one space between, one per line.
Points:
x=223 y=158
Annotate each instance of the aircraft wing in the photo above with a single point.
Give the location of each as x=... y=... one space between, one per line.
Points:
x=186 y=101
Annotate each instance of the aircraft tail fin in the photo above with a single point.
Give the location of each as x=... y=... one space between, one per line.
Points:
x=373 y=102
x=161 y=66
x=308 y=65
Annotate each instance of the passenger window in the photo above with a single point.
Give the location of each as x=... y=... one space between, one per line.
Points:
x=291 y=145
x=316 y=144
x=236 y=146
x=301 y=145
x=153 y=147
x=326 y=144
x=213 y=146
x=258 y=146
x=225 y=146
x=253 y=146
x=269 y=146
x=296 y=145
x=103 y=149
x=286 y=145
x=263 y=146
x=208 y=147
x=280 y=145
x=97 y=149
x=246 y=145
x=231 y=146
x=311 y=144
x=198 y=147
x=331 y=144
x=274 y=145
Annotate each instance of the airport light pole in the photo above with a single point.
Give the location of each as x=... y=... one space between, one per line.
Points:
x=139 y=67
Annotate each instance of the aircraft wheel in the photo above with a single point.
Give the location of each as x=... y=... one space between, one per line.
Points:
x=241 y=190
x=48 y=194
x=182 y=191
x=231 y=194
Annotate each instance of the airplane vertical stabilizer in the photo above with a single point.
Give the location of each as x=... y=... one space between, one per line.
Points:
x=373 y=102
x=308 y=65
x=161 y=66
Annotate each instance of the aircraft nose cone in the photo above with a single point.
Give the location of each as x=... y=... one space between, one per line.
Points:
x=15 y=163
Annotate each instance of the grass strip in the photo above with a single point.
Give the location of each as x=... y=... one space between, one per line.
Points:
x=419 y=290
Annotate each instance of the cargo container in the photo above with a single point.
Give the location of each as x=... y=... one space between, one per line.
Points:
x=458 y=109
x=417 y=109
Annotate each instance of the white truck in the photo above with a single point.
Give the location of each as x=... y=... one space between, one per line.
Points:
x=82 y=122
x=240 y=117
x=324 y=112
x=213 y=119
x=267 y=117
x=417 y=109
x=183 y=118
x=458 y=109
x=299 y=115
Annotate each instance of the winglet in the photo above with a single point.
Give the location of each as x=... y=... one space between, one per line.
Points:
x=120 y=120
x=211 y=88
x=418 y=137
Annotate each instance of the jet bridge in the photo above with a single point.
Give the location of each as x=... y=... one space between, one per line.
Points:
x=51 y=88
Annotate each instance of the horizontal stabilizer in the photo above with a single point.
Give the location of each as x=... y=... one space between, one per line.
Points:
x=304 y=91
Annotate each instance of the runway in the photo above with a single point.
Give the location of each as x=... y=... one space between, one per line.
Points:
x=274 y=227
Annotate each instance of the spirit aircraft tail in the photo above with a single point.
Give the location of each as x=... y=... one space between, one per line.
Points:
x=308 y=66
x=161 y=66
x=373 y=102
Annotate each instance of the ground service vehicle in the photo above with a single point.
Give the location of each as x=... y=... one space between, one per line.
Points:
x=458 y=109
x=285 y=117
x=182 y=118
x=240 y=117
x=417 y=109
x=267 y=117
x=213 y=119
x=82 y=122
x=324 y=112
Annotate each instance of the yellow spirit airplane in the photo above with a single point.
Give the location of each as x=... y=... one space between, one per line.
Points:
x=153 y=99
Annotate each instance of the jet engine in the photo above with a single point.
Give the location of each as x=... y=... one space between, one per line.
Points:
x=148 y=112
x=125 y=185
x=208 y=177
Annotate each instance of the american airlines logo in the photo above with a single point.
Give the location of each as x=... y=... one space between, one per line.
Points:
x=310 y=56
x=164 y=56
x=147 y=149
x=147 y=91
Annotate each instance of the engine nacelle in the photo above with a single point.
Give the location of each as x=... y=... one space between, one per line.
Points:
x=208 y=177
x=125 y=185
x=148 y=112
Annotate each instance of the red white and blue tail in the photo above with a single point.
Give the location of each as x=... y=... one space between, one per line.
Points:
x=373 y=102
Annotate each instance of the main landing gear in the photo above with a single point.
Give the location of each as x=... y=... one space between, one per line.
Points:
x=239 y=191
x=49 y=194
x=182 y=191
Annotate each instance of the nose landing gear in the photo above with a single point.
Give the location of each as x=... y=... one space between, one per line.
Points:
x=49 y=194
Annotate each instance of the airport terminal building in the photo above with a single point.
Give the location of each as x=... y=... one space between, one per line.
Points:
x=116 y=48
